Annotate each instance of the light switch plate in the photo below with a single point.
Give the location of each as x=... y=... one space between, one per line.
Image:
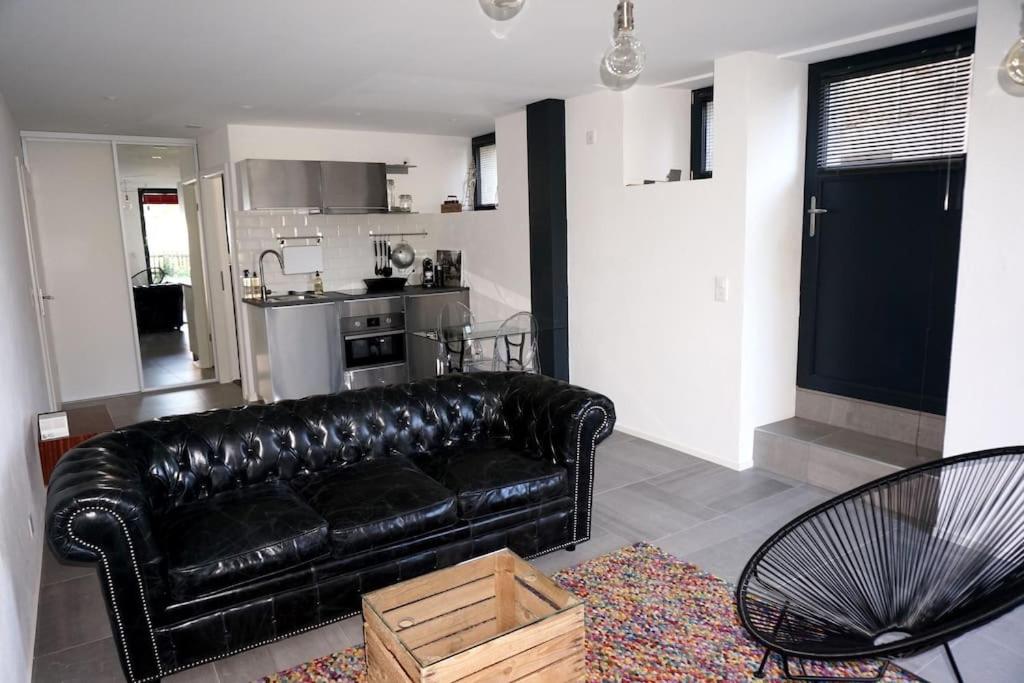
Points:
x=591 y=137
x=721 y=288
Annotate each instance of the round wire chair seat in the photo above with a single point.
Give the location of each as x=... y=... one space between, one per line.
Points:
x=894 y=567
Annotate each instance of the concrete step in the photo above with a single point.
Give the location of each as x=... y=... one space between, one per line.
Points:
x=834 y=458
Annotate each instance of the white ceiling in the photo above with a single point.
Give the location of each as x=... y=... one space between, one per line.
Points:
x=407 y=65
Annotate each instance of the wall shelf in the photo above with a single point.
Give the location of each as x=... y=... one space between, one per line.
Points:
x=399 y=169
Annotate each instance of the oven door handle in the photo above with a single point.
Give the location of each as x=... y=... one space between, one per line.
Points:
x=374 y=335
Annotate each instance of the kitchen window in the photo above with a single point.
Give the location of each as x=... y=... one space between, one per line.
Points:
x=485 y=158
x=702 y=133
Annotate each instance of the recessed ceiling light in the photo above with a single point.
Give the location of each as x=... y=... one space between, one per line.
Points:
x=358 y=113
x=192 y=125
x=246 y=106
x=110 y=98
x=156 y=157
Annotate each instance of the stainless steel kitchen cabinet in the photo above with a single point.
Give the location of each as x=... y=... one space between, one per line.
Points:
x=279 y=184
x=297 y=350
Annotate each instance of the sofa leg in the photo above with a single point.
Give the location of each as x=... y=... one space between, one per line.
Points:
x=570 y=548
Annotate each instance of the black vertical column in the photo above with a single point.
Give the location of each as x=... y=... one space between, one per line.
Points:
x=549 y=255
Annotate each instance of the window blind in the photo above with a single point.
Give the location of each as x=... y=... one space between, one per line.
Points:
x=901 y=115
x=708 y=126
x=488 y=159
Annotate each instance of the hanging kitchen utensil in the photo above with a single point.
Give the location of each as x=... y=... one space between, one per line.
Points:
x=404 y=255
x=376 y=258
x=387 y=270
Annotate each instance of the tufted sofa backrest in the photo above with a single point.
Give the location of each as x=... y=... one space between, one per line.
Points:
x=193 y=456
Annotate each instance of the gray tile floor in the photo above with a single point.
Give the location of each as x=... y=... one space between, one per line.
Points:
x=132 y=408
x=167 y=360
x=701 y=512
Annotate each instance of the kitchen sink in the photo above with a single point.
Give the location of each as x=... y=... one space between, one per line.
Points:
x=295 y=297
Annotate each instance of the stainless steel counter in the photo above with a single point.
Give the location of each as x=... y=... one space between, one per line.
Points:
x=333 y=297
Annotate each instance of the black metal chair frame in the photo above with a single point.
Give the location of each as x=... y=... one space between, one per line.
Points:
x=884 y=500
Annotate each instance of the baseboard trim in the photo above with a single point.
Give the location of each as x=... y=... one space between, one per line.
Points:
x=682 y=448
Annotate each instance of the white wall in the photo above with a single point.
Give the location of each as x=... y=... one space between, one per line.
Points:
x=986 y=403
x=495 y=244
x=656 y=133
x=775 y=125
x=24 y=394
x=644 y=326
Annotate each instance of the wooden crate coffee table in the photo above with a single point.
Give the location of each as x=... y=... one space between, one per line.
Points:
x=495 y=618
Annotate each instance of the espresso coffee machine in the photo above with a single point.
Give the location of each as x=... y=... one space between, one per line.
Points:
x=428 y=273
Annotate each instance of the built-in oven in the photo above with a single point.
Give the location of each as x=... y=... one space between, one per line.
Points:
x=373 y=336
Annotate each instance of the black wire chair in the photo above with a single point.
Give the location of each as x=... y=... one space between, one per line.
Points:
x=900 y=565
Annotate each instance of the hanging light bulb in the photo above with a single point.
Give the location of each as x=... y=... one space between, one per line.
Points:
x=1014 y=62
x=627 y=56
x=502 y=10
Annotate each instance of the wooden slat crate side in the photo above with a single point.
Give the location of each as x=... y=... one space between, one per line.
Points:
x=505 y=590
x=381 y=665
x=542 y=584
x=447 y=624
x=565 y=671
x=425 y=586
x=457 y=642
x=569 y=646
x=465 y=663
x=374 y=625
x=440 y=603
x=529 y=606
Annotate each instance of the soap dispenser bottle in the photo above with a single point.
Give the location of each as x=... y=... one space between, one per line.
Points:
x=318 y=284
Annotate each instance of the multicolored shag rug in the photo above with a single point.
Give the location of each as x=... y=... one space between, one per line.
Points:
x=650 y=617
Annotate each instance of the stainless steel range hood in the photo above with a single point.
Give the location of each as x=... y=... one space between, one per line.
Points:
x=350 y=187
x=328 y=186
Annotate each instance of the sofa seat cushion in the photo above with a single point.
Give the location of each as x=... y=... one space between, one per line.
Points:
x=493 y=478
x=377 y=502
x=237 y=536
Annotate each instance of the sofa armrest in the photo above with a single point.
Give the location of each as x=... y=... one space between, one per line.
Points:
x=97 y=510
x=564 y=423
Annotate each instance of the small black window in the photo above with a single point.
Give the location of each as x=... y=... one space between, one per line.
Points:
x=485 y=158
x=702 y=133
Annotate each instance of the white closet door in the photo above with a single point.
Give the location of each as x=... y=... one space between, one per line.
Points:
x=80 y=243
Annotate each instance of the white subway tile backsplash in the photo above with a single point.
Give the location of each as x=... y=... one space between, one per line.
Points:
x=347 y=245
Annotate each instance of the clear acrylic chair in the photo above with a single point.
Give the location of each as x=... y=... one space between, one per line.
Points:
x=456 y=353
x=515 y=346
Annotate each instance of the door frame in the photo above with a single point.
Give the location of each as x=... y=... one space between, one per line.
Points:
x=228 y=267
x=919 y=51
x=38 y=302
x=113 y=140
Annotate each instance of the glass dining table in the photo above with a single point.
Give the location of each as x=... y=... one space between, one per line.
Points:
x=475 y=346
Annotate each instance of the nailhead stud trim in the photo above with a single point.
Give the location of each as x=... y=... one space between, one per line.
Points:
x=110 y=586
x=593 y=457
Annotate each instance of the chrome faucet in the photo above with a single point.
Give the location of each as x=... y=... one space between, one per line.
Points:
x=263 y=283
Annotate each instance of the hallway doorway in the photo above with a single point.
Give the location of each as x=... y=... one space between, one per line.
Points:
x=164 y=249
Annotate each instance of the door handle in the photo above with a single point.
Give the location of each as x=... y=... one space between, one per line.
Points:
x=47 y=297
x=814 y=212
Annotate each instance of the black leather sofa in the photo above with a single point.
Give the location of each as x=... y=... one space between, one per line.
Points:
x=226 y=530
